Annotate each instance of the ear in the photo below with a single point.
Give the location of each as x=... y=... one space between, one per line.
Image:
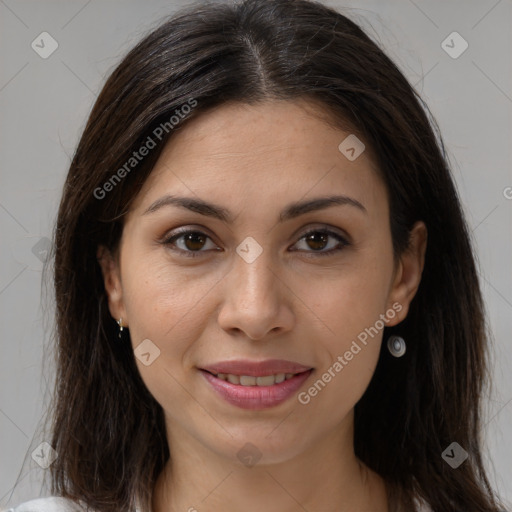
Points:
x=112 y=281
x=407 y=276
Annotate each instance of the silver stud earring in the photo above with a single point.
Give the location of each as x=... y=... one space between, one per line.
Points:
x=396 y=346
x=120 y=323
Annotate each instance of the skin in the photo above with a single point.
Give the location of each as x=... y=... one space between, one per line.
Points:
x=254 y=160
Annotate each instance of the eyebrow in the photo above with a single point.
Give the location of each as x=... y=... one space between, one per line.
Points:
x=291 y=211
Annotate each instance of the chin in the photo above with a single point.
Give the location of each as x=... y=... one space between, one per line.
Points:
x=260 y=445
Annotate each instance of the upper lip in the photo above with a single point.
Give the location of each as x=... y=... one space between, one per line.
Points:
x=256 y=368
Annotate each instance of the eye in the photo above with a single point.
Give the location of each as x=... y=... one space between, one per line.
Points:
x=318 y=239
x=192 y=242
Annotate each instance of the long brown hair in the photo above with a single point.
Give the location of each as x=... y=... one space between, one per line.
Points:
x=106 y=427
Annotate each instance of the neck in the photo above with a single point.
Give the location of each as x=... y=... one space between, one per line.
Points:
x=326 y=476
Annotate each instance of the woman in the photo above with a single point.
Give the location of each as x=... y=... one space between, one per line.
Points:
x=266 y=292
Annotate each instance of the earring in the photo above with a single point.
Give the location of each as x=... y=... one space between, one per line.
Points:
x=396 y=346
x=120 y=323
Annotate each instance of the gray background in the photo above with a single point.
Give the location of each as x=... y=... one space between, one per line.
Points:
x=44 y=104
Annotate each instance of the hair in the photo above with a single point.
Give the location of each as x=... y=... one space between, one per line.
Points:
x=107 y=428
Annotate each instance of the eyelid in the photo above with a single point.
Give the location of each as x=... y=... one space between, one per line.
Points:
x=342 y=239
x=169 y=238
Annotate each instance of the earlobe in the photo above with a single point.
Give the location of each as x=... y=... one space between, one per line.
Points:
x=112 y=283
x=408 y=275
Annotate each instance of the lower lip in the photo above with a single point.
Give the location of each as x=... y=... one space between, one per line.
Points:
x=256 y=397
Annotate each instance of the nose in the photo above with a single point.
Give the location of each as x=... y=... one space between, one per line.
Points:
x=256 y=300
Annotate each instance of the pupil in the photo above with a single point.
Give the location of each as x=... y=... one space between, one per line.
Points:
x=190 y=239
x=311 y=238
x=317 y=239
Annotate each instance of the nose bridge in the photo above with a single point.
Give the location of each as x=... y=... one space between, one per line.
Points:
x=253 y=270
x=253 y=296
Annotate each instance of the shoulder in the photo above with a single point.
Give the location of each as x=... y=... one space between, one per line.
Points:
x=50 y=504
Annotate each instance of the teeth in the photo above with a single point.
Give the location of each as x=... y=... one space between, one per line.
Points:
x=247 y=380
x=234 y=379
x=269 y=380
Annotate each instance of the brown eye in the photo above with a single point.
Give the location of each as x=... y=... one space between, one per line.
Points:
x=319 y=239
x=191 y=242
x=194 y=241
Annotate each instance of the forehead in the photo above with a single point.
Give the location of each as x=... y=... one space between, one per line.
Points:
x=260 y=154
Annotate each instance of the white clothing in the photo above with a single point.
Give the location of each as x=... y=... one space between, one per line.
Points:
x=50 y=504
x=58 y=504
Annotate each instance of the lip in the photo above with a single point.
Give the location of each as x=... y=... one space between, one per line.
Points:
x=256 y=397
x=256 y=368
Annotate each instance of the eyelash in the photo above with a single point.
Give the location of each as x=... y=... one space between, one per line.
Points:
x=169 y=241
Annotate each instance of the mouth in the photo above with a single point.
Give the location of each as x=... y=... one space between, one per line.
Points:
x=261 y=390
x=251 y=380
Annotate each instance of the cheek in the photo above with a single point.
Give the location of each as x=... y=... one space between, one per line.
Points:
x=167 y=307
x=160 y=299
x=352 y=309
x=158 y=294
x=353 y=325
x=348 y=351
x=351 y=299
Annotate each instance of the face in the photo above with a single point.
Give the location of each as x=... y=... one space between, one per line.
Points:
x=259 y=281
